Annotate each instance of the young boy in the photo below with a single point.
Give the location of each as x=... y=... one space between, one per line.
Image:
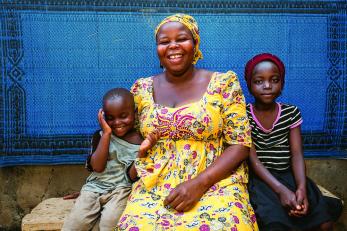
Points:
x=114 y=149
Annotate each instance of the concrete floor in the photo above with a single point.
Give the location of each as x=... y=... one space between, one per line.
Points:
x=23 y=187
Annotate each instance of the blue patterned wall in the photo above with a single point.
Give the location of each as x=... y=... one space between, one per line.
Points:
x=59 y=57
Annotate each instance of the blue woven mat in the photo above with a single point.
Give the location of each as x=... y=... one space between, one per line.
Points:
x=59 y=57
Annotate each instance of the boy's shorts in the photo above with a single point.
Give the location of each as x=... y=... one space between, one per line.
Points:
x=95 y=211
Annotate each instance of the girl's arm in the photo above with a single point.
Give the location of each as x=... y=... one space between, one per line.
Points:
x=188 y=193
x=298 y=167
x=99 y=157
x=287 y=197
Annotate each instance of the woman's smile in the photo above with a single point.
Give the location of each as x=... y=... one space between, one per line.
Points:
x=175 y=58
x=175 y=47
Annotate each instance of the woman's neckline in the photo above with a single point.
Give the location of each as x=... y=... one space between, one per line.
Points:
x=258 y=122
x=184 y=105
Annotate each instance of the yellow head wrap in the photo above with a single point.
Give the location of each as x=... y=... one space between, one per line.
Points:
x=192 y=26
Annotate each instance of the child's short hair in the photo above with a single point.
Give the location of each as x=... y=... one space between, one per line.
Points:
x=118 y=93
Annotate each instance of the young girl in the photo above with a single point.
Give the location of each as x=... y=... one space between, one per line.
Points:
x=114 y=149
x=282 y=196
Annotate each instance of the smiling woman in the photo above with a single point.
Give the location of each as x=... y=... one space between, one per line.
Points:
x=195 y=176
x=175 y=47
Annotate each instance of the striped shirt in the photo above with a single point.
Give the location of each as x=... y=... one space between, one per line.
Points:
x=272 y=145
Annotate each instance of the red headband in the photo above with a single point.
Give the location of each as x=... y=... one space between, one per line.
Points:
x=260 y=58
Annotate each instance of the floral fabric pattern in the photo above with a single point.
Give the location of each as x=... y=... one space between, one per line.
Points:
x=193 y=136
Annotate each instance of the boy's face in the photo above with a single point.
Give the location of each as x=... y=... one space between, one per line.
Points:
x=119 y=115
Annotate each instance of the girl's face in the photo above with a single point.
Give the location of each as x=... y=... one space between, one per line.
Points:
x=119 y=115
x=175 y=47
x=266 y=84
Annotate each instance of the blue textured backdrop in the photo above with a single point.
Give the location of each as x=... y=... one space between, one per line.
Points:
x=59 y=57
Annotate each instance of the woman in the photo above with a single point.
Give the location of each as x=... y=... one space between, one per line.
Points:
x=195 y=177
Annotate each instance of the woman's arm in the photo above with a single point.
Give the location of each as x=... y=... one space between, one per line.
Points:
x=230 y=159
x=298 y=167
x=188 y=193
x=286 y=196
x=99 y=157
x=236 y=133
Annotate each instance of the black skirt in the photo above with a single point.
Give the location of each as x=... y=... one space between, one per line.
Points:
x=270 y=212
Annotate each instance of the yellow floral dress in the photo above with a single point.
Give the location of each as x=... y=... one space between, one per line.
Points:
x=193 y=136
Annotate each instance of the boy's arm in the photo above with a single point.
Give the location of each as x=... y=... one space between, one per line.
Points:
x=286 y=196
x=99 y=157
x=147 y=144
x=298 y=168
x=94 y=144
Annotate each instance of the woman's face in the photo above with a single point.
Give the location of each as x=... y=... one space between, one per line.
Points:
x=266 y=84
x=175 y=47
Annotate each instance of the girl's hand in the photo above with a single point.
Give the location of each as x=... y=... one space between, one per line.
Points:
x=185 y=195
x=106 y=129
x=148 y=143
x=287 y=198
x=302 y=201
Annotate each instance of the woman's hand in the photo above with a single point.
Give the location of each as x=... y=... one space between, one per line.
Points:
x=102 y=122
x=188 y=193
x=288 y=199
x=185 y=195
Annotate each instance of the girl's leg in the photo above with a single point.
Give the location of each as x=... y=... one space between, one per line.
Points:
x=274 y=227
x=327 y=226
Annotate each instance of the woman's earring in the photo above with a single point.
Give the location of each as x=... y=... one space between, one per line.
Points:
x=161 y=66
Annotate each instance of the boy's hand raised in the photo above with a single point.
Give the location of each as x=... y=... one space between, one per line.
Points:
x=148 y=143
x=102 y=122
